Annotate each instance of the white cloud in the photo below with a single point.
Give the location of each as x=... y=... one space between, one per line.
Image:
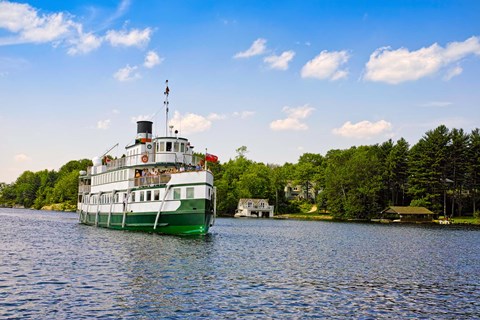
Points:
x=103 y=124
x=127 y=74
x=21 y=157
x=363 y=129
x=244 y=114
x=134 y=37
x=327 y=66
x=141 y=117
x=436 y=104
x=293 y=120
x=190 y=123
x=280 y=62
x=396 y=66
x=216 y=116
x=29 y=26
x=85 y=43
x=257 y=48
x=152 y=59
x=453 y=72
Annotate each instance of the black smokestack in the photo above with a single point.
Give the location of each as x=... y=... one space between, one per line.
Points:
x=144 y=127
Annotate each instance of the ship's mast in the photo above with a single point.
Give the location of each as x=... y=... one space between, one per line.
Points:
x=167 y=90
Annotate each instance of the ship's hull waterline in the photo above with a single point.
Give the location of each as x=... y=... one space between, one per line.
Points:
x=176 y=223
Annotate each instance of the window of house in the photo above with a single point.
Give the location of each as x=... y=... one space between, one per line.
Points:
x=176 y=193
x=249 y=204
x=190 y=192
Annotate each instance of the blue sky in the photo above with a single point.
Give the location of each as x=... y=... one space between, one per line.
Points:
x=280 y=77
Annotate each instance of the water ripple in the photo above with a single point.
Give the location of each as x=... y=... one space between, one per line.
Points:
x=54 y=268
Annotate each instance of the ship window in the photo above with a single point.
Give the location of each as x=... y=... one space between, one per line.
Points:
x=142 y=196
x=156 y=195
x=182 y=147
x=176 y=193
x=149 y=196
x=162 y=146
x=190 y=193
x=133 y=196
x=169 y=146
x=175 y=146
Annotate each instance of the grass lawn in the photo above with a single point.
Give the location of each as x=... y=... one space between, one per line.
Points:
x=305 y=216
x=464 y=220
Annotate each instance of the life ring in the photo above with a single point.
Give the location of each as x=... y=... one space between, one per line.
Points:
x=145 y=158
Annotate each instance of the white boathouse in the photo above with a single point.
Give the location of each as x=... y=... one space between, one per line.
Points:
x=256 y=208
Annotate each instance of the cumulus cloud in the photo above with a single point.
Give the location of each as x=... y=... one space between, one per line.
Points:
x=27 y=25
x=142 y=117
x=134 y=37
x=25 y=21
x=363 y=129
x=85 y=43
x=327 y=65
x=280 y=62
x=397 y=66
x=103 y=124
x=152 y=59
x=258 y=47
x=127 y=74
x=294 y=118
x=21 y=157
x=190 y=122
x=244 y=114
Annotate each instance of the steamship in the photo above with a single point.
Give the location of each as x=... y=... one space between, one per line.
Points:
x=158 y=186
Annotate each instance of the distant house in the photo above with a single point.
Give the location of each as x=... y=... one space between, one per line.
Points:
x=298 y=191
x=258 y=208
x=409 y=214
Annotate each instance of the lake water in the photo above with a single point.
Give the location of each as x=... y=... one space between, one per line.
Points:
x=54 y=268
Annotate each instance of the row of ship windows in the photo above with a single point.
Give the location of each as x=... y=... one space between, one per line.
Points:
x=163 y=147
x=114 y=176
x=139 y=196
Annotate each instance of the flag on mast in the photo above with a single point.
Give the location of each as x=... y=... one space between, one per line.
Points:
x=211 y=157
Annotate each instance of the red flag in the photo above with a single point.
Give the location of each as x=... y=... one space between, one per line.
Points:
x=211 y=158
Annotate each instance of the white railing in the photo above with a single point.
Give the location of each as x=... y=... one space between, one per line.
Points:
x=159 y=157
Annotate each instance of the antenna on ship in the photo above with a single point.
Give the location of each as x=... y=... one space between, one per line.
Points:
x=167 y=90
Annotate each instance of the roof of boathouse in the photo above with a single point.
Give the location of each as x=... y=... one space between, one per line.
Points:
x=407 y=210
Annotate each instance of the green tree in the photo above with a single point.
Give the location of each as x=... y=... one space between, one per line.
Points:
x=26 y=187
x=458 y=166
x=397 y=171
x=309 y=173
x=428 y=168
x=474 y=166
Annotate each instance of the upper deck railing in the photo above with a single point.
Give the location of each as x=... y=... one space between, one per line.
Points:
x=165 y=157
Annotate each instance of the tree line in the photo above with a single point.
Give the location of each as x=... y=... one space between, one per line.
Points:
x=46 y=187
x=440 y=172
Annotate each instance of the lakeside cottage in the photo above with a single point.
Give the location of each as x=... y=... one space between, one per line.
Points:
x=410 y=214
x=258 y=208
